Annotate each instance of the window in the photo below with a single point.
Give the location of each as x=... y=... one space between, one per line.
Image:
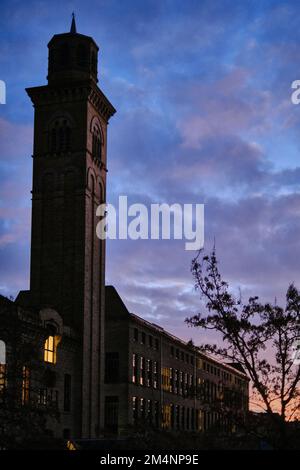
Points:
x=156 y=414
x=182 y=355
x=150 y=341
x=166 y=379
x=60 y=136
x=67 y=392
x=166 y=416
x=192 y=360
x=81 y=56
x=134 y=368
x=142 y=370
x=149 y=411
x=2 y=352
x=136 y=334
x=111 y=414
x=48 y=397
x=155 y=374
x=180 y=383
x=188 y=418
x=177 y=353
x=171 y=380
x=172 y=410
x=156 y=344
x=25 y=386
x=96 y=150
x=135 y=409
x=176 y=381
x=149 y=372
x=50 y=348
x=142 y=408
x=143 y=340
x=193 y=419
x=177 y=417
x=182 y=417
x=112 y=367
x=172 y=351
x=64 y=54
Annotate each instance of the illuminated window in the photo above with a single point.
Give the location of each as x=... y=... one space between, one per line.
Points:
x=142 y=370
x=134 y=368
x=25 y=386
x=50 y=348
x=166 y=379
x=166 y=423
x=155 y=374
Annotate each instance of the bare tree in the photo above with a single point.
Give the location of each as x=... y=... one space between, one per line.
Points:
x=261 y=337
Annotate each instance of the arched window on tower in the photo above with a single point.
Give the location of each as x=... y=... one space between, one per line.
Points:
x=81 y=56
x=97 y=144
x=60 y=136
x=64 y=55
x=2 y=370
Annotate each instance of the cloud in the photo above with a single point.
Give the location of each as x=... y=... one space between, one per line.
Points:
x=202 y=91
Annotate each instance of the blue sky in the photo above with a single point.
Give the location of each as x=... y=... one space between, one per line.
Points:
x=202 y=91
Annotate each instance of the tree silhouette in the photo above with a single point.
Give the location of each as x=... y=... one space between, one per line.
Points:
x=262 y=338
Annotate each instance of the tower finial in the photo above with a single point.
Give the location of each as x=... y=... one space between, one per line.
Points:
x=73 y=24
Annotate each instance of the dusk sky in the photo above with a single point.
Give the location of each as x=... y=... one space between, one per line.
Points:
x=204 y=115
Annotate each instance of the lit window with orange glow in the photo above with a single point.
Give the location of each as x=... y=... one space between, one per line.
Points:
x=50 y=349
x=25 y=386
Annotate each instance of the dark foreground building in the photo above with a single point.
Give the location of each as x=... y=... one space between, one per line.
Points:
x=90 y=369
x=154 y=379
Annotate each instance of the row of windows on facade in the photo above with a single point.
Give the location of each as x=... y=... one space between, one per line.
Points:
x=140 y=336
x=61 y=137
x=181 y=355
x=168 y=416
x=41 y=396
x=145 y=372
x=177 y=382
x=176 y=417
x=216 y=371
x=45 y=396
x=226 y=376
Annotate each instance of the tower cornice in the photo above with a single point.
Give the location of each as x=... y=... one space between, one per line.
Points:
x=43 y=95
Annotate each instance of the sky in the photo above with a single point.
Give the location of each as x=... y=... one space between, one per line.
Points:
x=204 y=115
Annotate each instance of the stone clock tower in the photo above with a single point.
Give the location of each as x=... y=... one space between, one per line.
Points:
x=69 y=182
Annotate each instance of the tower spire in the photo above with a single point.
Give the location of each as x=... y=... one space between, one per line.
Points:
x=73 y=25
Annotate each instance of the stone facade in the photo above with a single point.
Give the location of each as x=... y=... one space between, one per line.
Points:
x=153 y=378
